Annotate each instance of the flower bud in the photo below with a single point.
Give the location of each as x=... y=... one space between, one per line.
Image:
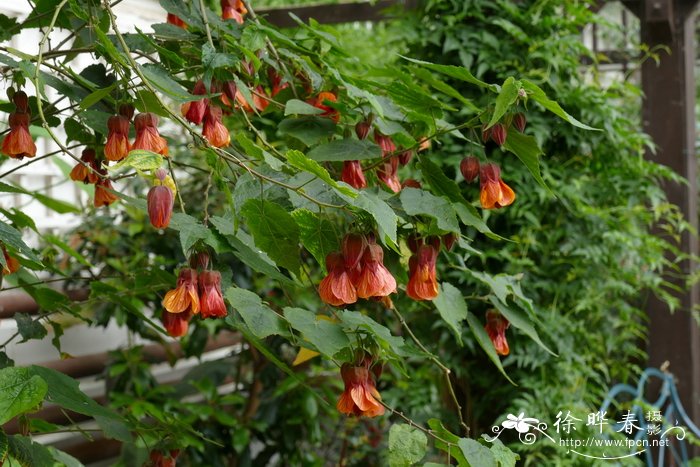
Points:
x=499 y=134
x=362 y=129
x=469 y=168
x=519 y=121
x=160 y=206
x=449 y=240
x=405 y=157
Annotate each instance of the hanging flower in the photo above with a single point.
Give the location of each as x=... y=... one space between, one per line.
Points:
x=87 y=171
x=199 y=260
x=160 y=202
x=422 y=282
x=103 y=192
x=496 y=325
x=117 y=146
x=233 y=9
x=519 y=121
x=258 y=100
x=147 y=136
x=405 y=157
x=276 y=84
x=499 y=133
x=360 y=396
x=18 y=142
x=194 y=111
x=384 y=142
x=175 y=20
x=214 y=131
x=176 y=324
x=449 y=240
x=374 y=280
x=12 y=264
x=354 y=246
x=336 y=288
x=210 y=298
x=328 y=111
x=469 y=168
x=21 y=101
x=387 y=172
x=353 y=175
x=411 y=183
x=494 y=193
x=183 y=297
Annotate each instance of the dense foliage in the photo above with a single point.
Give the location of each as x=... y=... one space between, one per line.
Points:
x=324 y=207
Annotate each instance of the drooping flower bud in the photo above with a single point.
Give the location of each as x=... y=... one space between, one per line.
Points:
x=385 y=142
x=414 y=241
x=469 y=168
x=12 y=264
x=387 y=172
x=362 y=129
x=210 y=298
x=354 y=246
x=200 y=260
x=117 y=146
x=353 y=175
x=494 y=193
x=160 y=202
x=499 y=133
x=449 y=240
x=519 y=121
x=21 y=102
x=233 y=9
x=374 y=279
x=405 y=157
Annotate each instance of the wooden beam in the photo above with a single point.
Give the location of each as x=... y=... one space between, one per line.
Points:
x=669 y=118
x=338 y=13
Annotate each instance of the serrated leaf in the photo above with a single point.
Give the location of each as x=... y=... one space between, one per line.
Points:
x=328 y=337
x=29 y=328
x=300 y=161
x=482 y=338
x=11 y=237
x=452 y=307
x=260 y=319
x=347 y=149
x=506 y=97
x=504 y=456
x=274 y=232
x=417 y=202
x=191 y=230
x=352 y=321
x=476 y=453
x=538 y=95
x=526 y=149
x=308 y=130
x=297 y=107
x=318 y=235
x=407 y=445
x=20 y=392
x=140 y=159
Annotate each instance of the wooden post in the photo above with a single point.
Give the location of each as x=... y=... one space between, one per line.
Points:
x=669 y=118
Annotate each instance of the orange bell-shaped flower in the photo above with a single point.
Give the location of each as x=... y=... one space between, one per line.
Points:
x=18 y=142
x=211 y=300
x=422 y=282
x=160 y=202
x=328 y=111
x=496 y=325
x=374 y=280
x=185 y=296
x=360 y=397
x=117 y=146
x=103 y=193
x=336 y=288
x=87 y=171
x=176 y=324
x=147 y=136
x=214 y=131
x=353 y=175
x=494 y=193
x=387 y=172
x=12 y=264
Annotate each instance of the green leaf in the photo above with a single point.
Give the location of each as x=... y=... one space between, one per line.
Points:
x=141 y=160
x=4 y=445
x=456 y=72
x=64 y=459
x=452 y=307
x=12 y=238
x=20 y=392
x=381 y=212
x=300 y=161
x=482 y=338
x=527 y=150
x=407 y=445
x=191 y=230
x=417 y=202
x=260 y=319
x=519 y=320
x=328 y=337
x=29 y=453
x=252 y=38
x=29 y=328
x=477 y=454
x=537 y=94
x=318 y=235
x=444 y=436
x=95 y=97
x=353 y=321
x=506 y=98
x=504 y=456
x=161 y=80
x=274 y=232
x=297 y=107
x=64 y=391
x=345 y=150
x=308 y=130
x=108 y=48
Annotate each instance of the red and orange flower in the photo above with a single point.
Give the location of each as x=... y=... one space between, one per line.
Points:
x=422 y=282
x=353 y=175
x=18 y=142
x=494 y=193
x=214 y=131
x=117 y=146
x=496 y=325
x=210 y=298
x=336 y=288
x=360 y=397
x=147 y=136
x=184 y=296
x=160 y=202
x=176 y=324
